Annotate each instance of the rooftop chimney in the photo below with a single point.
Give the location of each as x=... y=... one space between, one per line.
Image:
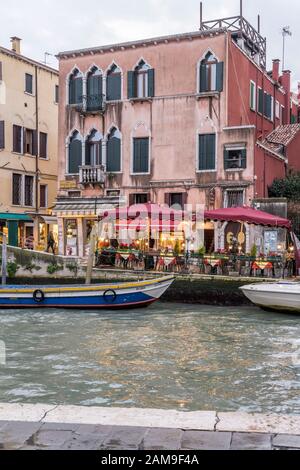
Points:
x=275 y=72
x=16 y=44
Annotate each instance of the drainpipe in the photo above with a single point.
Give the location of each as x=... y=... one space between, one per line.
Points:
x=37 y=171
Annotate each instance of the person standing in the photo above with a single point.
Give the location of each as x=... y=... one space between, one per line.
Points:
x=51 y=243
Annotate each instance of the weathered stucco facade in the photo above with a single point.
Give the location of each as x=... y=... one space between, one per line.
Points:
x=24 y=116
x=242 y=105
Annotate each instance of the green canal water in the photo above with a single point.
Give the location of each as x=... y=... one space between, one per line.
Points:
x=169 y=356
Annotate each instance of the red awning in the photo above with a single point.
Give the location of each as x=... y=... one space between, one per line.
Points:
x=248 y=215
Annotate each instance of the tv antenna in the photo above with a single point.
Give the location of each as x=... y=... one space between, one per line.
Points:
x=286 y=31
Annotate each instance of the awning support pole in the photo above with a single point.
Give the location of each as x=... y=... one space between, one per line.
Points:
x=4 y=259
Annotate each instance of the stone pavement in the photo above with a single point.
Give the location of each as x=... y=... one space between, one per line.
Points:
x=33 y=427
x=52 y=436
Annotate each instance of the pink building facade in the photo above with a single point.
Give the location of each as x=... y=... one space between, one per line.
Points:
x=171 y=120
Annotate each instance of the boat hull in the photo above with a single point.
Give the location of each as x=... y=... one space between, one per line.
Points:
x=103 y=296
x=281 y=296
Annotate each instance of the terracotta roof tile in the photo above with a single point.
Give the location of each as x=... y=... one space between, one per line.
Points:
x=283 y=135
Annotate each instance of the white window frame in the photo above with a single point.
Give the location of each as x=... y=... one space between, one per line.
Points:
x=277 y=109
x=272 y=108
x=33 y=90
x=253 y=106
x=258 y=90
x=198 y=148
x=236 y=190
x=23 y=189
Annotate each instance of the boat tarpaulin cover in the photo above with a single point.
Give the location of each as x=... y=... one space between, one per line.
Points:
x=248 y=215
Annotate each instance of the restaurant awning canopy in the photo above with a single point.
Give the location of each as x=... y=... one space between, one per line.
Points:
x=248 y=215
x=16 y=217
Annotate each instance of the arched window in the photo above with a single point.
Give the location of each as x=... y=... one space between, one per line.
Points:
x=113 y=158
x=94 y=90
x=75 y=88
x=113 y=84
x=93 y=149
x=211 y=74
x=75 y=153
x=141 y=81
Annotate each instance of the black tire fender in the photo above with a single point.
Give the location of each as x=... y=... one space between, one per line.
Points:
x=38 y=296
x=110 y=293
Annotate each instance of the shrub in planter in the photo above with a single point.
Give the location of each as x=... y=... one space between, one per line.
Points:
x=54 y=268
x=12 y=269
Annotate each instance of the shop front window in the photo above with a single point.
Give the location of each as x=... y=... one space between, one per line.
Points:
x=71 y=233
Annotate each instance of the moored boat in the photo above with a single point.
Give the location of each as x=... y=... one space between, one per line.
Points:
x=96 y=296
x=280 y=296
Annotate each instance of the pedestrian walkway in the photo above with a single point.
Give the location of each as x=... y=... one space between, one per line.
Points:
x=42 y=427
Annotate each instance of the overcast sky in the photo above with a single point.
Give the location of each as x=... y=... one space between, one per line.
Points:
x=59 y=25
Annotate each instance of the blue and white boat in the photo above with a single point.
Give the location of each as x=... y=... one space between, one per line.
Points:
x=96 y=296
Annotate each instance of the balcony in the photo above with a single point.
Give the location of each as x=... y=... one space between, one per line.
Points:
x=92 y=104
x=92 y=175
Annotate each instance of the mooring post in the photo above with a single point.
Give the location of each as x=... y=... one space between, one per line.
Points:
x=90 y=263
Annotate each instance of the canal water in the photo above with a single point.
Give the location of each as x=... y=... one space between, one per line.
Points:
x=168 y=356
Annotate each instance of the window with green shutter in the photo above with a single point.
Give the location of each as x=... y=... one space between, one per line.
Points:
x=2 y=135
x=141 y=155
x=113 y=156
x=211 y=74
x=28 y=83
x=141 y=81
x=75 y=88
x=207 y=152
x=260 y=100
x=114 y=84
x=252 y=95
x=235 y=158
x=75 y=154
x=94 y=90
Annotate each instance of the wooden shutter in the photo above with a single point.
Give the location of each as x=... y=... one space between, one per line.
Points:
x=207 y=152
x=43 y=144
x=203 y=79
x=2 y=135
x=260 y=100
x=131 y=199
x=94 y=92
x=151 y=82
x=244 y=158
x=184 y=199
x=34 y=143
x=226 y=157
x=17 y=139
x=28 y=83
x=167 y=198
x=220 y=76
x=75 y=156
x=114 y=155
x=78 y=91
x=113 y=83
x=131 y=85
x=141 y=155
